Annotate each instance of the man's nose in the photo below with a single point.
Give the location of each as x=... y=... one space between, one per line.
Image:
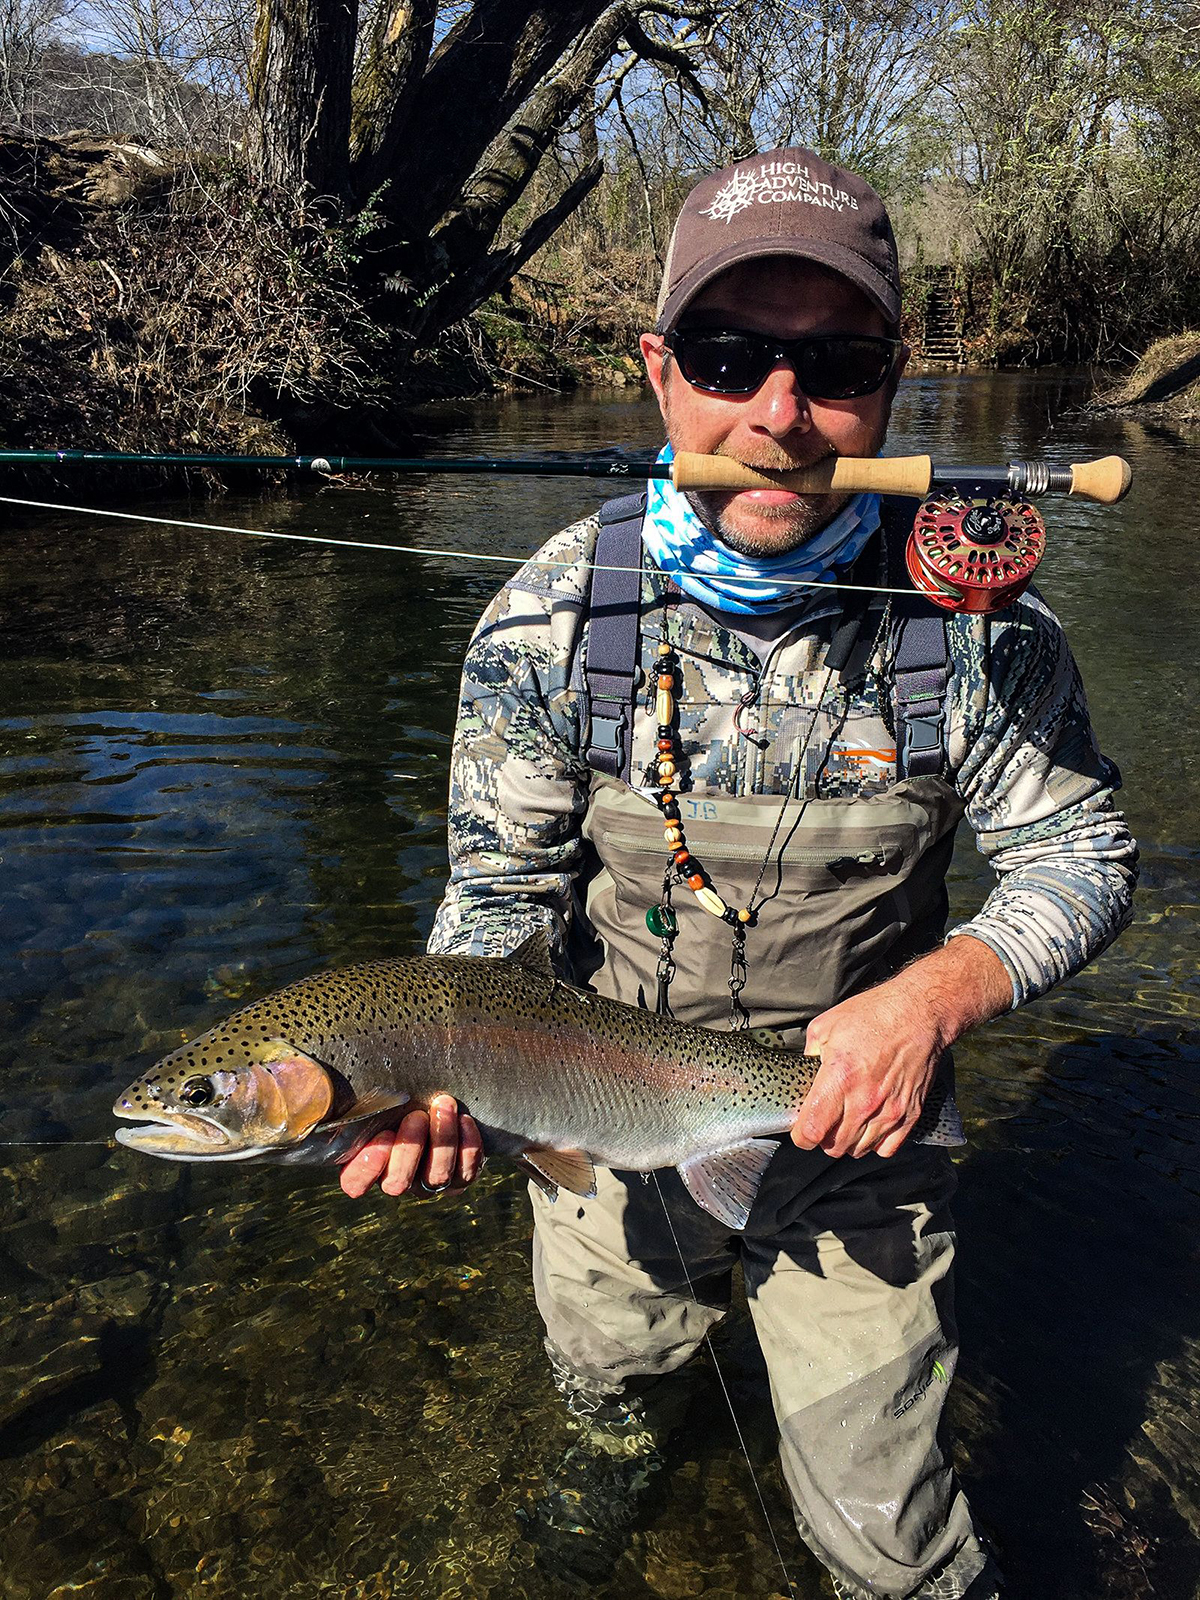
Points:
x=781 y=405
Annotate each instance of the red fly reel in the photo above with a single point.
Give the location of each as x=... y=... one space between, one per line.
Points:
x=974 y=555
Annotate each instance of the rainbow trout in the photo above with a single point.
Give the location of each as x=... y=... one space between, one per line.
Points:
x=556 y=1077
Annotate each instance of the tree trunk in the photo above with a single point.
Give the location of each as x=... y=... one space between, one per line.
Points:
x=480 y=73
x=396 y=56
x=300 y=95
x=473 y=218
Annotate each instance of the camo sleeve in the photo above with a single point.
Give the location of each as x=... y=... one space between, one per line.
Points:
x=1040 y=798
x=518 y=786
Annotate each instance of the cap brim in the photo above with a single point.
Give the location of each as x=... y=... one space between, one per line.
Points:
x=838 y=258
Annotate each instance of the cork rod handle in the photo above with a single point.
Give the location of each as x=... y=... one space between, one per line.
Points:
x=911 y=475
x=1105 y=481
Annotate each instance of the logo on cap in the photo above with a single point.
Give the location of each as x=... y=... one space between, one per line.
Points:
x=775 y=181
x=734 y=196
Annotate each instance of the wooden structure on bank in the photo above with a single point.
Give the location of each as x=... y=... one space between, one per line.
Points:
x=941 y=327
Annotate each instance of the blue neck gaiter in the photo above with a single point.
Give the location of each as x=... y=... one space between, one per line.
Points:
x=710 y=572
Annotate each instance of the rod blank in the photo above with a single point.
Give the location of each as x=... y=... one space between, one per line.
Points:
x=1104 y=481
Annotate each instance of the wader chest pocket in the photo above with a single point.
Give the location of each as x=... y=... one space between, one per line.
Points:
x=812 y=866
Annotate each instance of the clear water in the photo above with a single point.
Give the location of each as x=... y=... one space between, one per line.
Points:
x=223 y=764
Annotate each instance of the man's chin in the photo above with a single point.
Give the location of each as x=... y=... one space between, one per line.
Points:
x=771 y=530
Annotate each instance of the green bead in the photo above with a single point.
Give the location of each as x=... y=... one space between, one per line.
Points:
x=661 y=921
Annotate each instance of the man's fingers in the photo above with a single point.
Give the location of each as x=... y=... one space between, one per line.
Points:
x=470 y=1151
x=446 y=1149
x=443 y=1142
x=406 y=1153
x=821 y=1111
x=889 y=1145
x=357 y=1176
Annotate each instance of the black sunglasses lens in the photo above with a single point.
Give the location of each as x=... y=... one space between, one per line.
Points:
x=727 y=363
x=829 y=367
x=843 y=368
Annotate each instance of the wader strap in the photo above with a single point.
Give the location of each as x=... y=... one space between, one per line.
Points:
x=611 y=665
x=922 y=673
x=921 y=662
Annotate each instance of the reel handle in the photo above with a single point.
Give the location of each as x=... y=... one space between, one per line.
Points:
x=1106 y=481
x=908 y=475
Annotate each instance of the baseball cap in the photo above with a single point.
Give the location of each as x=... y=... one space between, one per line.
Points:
x=783 y=203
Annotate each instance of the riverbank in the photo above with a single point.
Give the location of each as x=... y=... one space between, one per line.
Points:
x=1164 y=384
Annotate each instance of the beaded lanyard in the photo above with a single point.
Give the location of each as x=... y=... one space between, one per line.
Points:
x=683 y=867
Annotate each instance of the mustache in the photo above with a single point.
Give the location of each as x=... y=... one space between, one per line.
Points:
x=773 y=458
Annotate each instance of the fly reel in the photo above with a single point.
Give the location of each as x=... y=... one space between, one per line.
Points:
x=974 y=555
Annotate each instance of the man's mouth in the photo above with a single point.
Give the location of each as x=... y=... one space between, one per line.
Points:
x=768 y=497
x=775 y=462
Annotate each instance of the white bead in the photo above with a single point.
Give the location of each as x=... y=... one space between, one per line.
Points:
x=710 y=900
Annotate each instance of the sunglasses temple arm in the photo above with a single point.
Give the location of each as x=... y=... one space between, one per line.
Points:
x=1104 y=481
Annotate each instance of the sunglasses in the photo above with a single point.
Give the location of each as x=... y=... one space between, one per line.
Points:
x=828 y=366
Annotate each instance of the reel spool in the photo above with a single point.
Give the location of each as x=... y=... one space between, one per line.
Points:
x=974 y=555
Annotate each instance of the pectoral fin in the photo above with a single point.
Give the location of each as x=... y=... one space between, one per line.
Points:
x=561 y=1169
x=371 y=1104
x=726 y=1181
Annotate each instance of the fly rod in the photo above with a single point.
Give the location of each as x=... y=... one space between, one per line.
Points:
x=1104 y=481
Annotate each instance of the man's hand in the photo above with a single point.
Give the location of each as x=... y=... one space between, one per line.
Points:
x=439 y=1153
x=880 y=1050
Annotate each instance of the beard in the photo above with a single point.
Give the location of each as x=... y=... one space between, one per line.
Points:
x=766 y=530
x=776 y=530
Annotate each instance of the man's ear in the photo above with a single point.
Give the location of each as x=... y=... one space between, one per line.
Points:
x=656 y=356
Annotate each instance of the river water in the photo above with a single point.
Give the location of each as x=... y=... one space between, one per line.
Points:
x=222 y=765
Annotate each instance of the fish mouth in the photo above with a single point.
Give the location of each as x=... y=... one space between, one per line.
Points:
x=180 y=1134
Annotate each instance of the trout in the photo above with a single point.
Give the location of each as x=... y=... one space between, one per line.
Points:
x=558 y=1078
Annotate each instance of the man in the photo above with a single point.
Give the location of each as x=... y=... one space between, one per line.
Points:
x=823 y=848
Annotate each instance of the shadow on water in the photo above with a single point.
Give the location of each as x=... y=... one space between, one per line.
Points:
x=1080 y=1319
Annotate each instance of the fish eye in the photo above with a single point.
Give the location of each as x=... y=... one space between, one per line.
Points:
x=197 y=1091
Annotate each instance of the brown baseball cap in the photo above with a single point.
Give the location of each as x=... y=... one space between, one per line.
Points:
x=783 y=203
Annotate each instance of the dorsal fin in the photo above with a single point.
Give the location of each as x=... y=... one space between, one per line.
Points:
x=534 y=954
x=768 y=1037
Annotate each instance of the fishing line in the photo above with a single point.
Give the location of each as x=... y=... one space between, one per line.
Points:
x=397 y=549
x=12 y=1144
x=728 y=1398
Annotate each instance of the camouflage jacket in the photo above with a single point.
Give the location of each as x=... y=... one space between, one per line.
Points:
x=1022 y=757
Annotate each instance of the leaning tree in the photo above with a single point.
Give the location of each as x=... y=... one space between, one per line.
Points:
x=440 y=114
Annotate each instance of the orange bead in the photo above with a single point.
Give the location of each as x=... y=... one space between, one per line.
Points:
x=696 y=881
x=682 y=857
x=666 y=745
x=666 y=680
x=743 y=915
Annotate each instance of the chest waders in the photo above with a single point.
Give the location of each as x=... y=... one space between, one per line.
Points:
x=846 y=1263
x=855 y=887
